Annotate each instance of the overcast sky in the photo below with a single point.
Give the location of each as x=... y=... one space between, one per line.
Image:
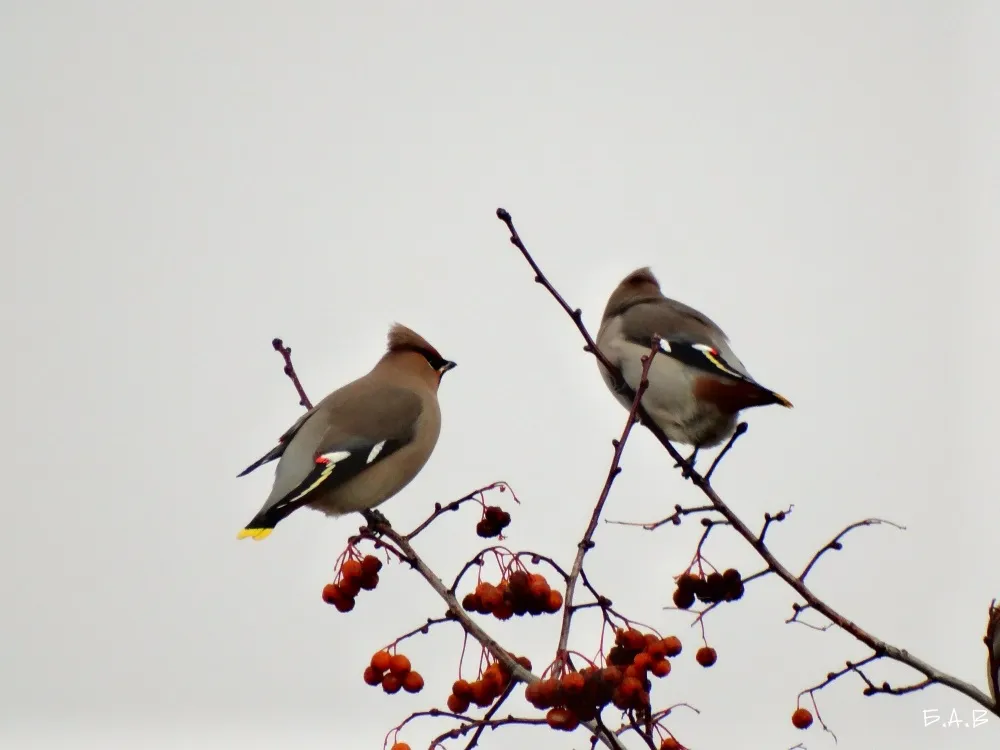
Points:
x=180 y=182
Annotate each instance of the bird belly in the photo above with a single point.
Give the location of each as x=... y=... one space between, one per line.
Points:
x=670 y=399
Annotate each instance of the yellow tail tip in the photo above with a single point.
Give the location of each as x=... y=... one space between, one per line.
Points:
x=257 y=534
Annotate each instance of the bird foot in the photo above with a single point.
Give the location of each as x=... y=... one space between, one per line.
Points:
x=375 y=518
x=690 y=460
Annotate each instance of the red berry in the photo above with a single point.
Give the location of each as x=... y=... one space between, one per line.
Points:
x=343 y=603
x=372 y=677
x=672 y=645
x=462 y=689
x=706 y=656
x=368 y=581
x=457 y=705
x=371 y=565
x=331 y=593
x=633 y=640
x=413 y=682
x=661 y=668
x=572 y=684
x=400 y=746
x=642 y=660
x=630 y=688
x=562 y=718
x=351 y=587
x=486 y=529
x=391 y=684
x=802 y=718
x=683 y=598
x=483 y=692
x=380 y=661
x=351 y=569
x=399 y=665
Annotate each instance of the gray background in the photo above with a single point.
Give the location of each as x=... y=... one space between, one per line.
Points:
x=182 y=181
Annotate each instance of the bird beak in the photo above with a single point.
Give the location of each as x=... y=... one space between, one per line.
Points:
x=782 y=400
x=447 y=366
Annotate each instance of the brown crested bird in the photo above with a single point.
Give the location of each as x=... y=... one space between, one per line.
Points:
x=697 y=384
x=361 y=444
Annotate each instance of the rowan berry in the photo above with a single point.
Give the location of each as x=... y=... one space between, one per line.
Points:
x=413 y=682
x=380 y=661
x=399 y=665
x=706 y=656
x=802 y=718
x=371 y=565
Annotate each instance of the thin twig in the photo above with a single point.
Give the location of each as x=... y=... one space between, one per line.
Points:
x=674 y=518
x=741 y=429
x=489 y=715
x=587 y=542
x=835 y=544
x=286 y=354
x=440 y=510
x=778 y=517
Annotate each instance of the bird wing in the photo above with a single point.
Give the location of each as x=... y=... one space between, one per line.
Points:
x=341 y=439
x=686 y=335
x=277 y=451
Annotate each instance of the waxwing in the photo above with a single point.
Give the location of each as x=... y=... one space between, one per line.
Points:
x=697 y=384
x=361 y=444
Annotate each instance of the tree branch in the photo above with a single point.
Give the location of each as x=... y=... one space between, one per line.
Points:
x=876 y=644
x=587 y=542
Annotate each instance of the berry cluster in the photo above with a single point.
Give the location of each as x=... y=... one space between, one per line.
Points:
x=715 y=587
x=523 y=593
x=669 y=743
x=580 y=696
x=494 y=521
x=354 y=576
x=495 y=679
x=802 y=718
x=392 y=672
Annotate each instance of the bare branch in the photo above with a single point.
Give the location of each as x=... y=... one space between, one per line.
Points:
x=778 y=517
x=674 y=518
x=587 y=542
x=741 y=429
x=286 y=354
x=836 y=545
x=876 y=644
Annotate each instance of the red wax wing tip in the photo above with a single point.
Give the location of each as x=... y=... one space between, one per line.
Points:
x=322 y=460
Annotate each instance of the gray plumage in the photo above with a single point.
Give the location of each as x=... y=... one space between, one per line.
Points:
x=697 y=384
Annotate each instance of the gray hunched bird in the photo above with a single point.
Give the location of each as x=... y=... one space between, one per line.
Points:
x=363 y=443
x=697 y=384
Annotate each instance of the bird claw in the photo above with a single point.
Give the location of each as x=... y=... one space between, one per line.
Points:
x=690 y=460
x=375 y=518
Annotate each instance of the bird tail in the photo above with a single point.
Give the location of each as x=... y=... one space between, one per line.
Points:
x=774 y=398
x=271 y=455
x=735 y=395
x=261 y=526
